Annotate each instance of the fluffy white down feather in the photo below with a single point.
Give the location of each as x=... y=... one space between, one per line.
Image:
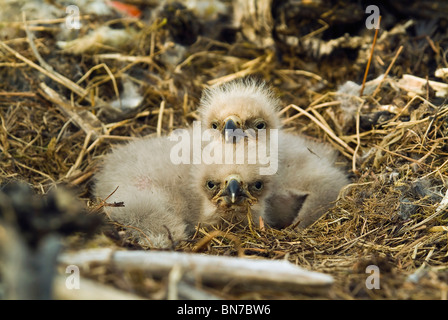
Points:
x=307 y=182
x=154 y=191
x=159 y=195
x=248 y=98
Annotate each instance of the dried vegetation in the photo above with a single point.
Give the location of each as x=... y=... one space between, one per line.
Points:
x=57 y=122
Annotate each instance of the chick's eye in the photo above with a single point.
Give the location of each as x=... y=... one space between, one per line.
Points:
x=214 y=125
x=260 y=125
x=258 y=185
x=210 y=184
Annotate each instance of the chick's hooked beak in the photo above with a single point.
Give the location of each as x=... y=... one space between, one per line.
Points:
x=232 y=127
x=233 y=189
x=235 y=193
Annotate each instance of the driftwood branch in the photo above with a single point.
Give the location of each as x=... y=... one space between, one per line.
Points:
x=211 y=270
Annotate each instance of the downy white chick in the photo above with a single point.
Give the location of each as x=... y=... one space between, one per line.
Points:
x=163 y=199
x=228 y=190
x=306 y=182
x=154 y=191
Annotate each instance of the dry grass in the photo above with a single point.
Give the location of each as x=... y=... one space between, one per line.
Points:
x=386 y=217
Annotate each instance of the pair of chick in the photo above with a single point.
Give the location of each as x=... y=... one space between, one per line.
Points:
x=164 y=200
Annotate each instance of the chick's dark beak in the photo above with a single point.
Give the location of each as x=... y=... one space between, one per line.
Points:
x=234 y=193
x=232 y=128
x=233 y=190
x=230 y=125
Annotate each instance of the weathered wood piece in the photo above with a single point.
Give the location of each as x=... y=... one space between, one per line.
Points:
x=211 y=270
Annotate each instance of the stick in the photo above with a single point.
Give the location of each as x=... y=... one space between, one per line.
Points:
x=212 y=235
x=387 y=71
x=110 y=74
x=17 y=94
x=358 y=140
x=80 y=155
x=160 y=118
x=326 y=129
x=370 y=58
x=272 y=274
x=30 y=37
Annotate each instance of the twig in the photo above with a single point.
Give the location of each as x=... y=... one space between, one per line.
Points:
x=209 y=237
x=170 y=237
x=318 y=106
x=174 y=277
x=261 y=223
x=261 y=250
x=250 y=222
x=115 y=204
x=295 y=224
x=387 y=71
x=358 y=140
x=45 y=21
x=80 y=156
x=326 y=129
x=370 y=58
x=435 y=214
x=102 y=203
x=111 y=76
x=400 y=155
x=30 y=37
x=324 y=27
x=82 y=178
x=35 y=170
x=160 y=118
x=302 y=73
x=18 y=94
x=248 y=68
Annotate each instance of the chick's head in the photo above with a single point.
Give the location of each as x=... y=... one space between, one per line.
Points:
x=232 y=192
x=240 y=105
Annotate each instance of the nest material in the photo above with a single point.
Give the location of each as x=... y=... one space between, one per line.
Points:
x=392 y=143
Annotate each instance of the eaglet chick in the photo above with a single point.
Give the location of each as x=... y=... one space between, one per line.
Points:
x=231 y=191
x=306 y=181
x=155 y=192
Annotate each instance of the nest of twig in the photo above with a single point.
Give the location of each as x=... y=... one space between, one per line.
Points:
x=56 y=123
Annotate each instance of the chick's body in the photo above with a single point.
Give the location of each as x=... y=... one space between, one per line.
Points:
x=153 y=189
x=163 y=199
x=307 y=182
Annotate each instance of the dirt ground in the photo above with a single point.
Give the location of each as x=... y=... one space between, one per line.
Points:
x=67 y=94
